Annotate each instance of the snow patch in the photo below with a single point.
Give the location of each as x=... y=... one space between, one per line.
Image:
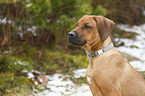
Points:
x=139 y=49
x=61 y=87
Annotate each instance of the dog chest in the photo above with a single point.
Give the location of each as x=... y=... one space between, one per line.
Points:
x=89 y=80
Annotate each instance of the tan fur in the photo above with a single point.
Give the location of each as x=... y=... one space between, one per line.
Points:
x=108 y=74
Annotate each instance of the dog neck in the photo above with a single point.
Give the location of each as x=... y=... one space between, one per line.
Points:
x=97 y=46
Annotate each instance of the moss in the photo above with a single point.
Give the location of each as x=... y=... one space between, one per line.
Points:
x=12 y=64
x=79 y=80
x=25 y=50
x=64 y=62
x=11 y=84
x=5 y=82
x=12 y=80
x=133 y=46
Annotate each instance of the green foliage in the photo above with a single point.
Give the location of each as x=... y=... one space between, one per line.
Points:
x=83 y=7
x=65 y=62
x=56 y=17
x=100 y=10
x=39 y=6
x=39 y=9
x=63 y=7
x=27 y=50
x=5 y=81
x=12 y=64
x=8 y=1
x=11 y=84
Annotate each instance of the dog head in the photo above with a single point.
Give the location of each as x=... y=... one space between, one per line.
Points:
x=91 y=29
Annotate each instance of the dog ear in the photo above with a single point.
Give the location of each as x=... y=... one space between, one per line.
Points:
x=104 y=26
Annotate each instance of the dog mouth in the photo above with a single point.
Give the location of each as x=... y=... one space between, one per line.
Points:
x=74 y=39
x=77 y=41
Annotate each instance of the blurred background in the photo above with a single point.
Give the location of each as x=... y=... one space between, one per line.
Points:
x=34 y=45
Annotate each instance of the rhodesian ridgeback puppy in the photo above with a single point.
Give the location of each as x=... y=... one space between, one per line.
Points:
x=108 y=73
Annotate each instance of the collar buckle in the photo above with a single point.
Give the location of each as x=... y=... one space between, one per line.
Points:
x=100 y=51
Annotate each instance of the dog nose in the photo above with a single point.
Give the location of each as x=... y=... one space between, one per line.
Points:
x=72 y=34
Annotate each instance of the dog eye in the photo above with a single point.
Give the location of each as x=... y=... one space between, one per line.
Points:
x=87 y=26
